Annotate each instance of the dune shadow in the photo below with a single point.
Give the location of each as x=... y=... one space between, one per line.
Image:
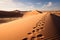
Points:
x=56 y=21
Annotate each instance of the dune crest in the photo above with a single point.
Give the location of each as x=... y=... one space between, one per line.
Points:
x=33 y=12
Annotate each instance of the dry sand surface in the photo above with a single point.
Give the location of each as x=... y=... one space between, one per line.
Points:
x=18 y=29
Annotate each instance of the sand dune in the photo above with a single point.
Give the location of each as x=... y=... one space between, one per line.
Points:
x=33 y=12
x=18 y=29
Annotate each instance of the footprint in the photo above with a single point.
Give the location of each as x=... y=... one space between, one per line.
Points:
x=37 y=29
x=33 y=38
x=39 y=35
x=38 y=24
x=33 y=31
x=42 y=37
x=34 y=27
x=29 y=33
x=25 y=38
x=42 y=24
x=41 y=27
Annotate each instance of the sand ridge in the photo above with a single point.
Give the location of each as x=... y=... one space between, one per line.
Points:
x=18 y=29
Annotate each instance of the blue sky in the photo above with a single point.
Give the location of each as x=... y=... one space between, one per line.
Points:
x=29 y=4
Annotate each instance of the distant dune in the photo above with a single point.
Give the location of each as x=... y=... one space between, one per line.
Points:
x=7 y=14
x=33 y=12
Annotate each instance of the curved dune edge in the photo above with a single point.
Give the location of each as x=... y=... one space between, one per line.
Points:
x=33 y=12
x=15 y=30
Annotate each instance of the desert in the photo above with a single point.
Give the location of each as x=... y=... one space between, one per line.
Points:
x=31 y=24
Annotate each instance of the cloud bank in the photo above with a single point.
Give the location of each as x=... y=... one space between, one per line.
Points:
x=12 y=5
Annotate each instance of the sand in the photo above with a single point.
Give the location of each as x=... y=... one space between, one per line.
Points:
x=18 y=29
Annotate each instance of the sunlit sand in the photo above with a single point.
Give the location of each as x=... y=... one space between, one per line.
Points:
x=18 y=29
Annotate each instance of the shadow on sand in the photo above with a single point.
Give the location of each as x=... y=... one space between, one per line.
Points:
x=56 y=21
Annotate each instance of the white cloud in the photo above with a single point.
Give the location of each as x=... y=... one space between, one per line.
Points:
x=7 y=5
x=49 y=4
x=46 y=6
x=11 y=5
